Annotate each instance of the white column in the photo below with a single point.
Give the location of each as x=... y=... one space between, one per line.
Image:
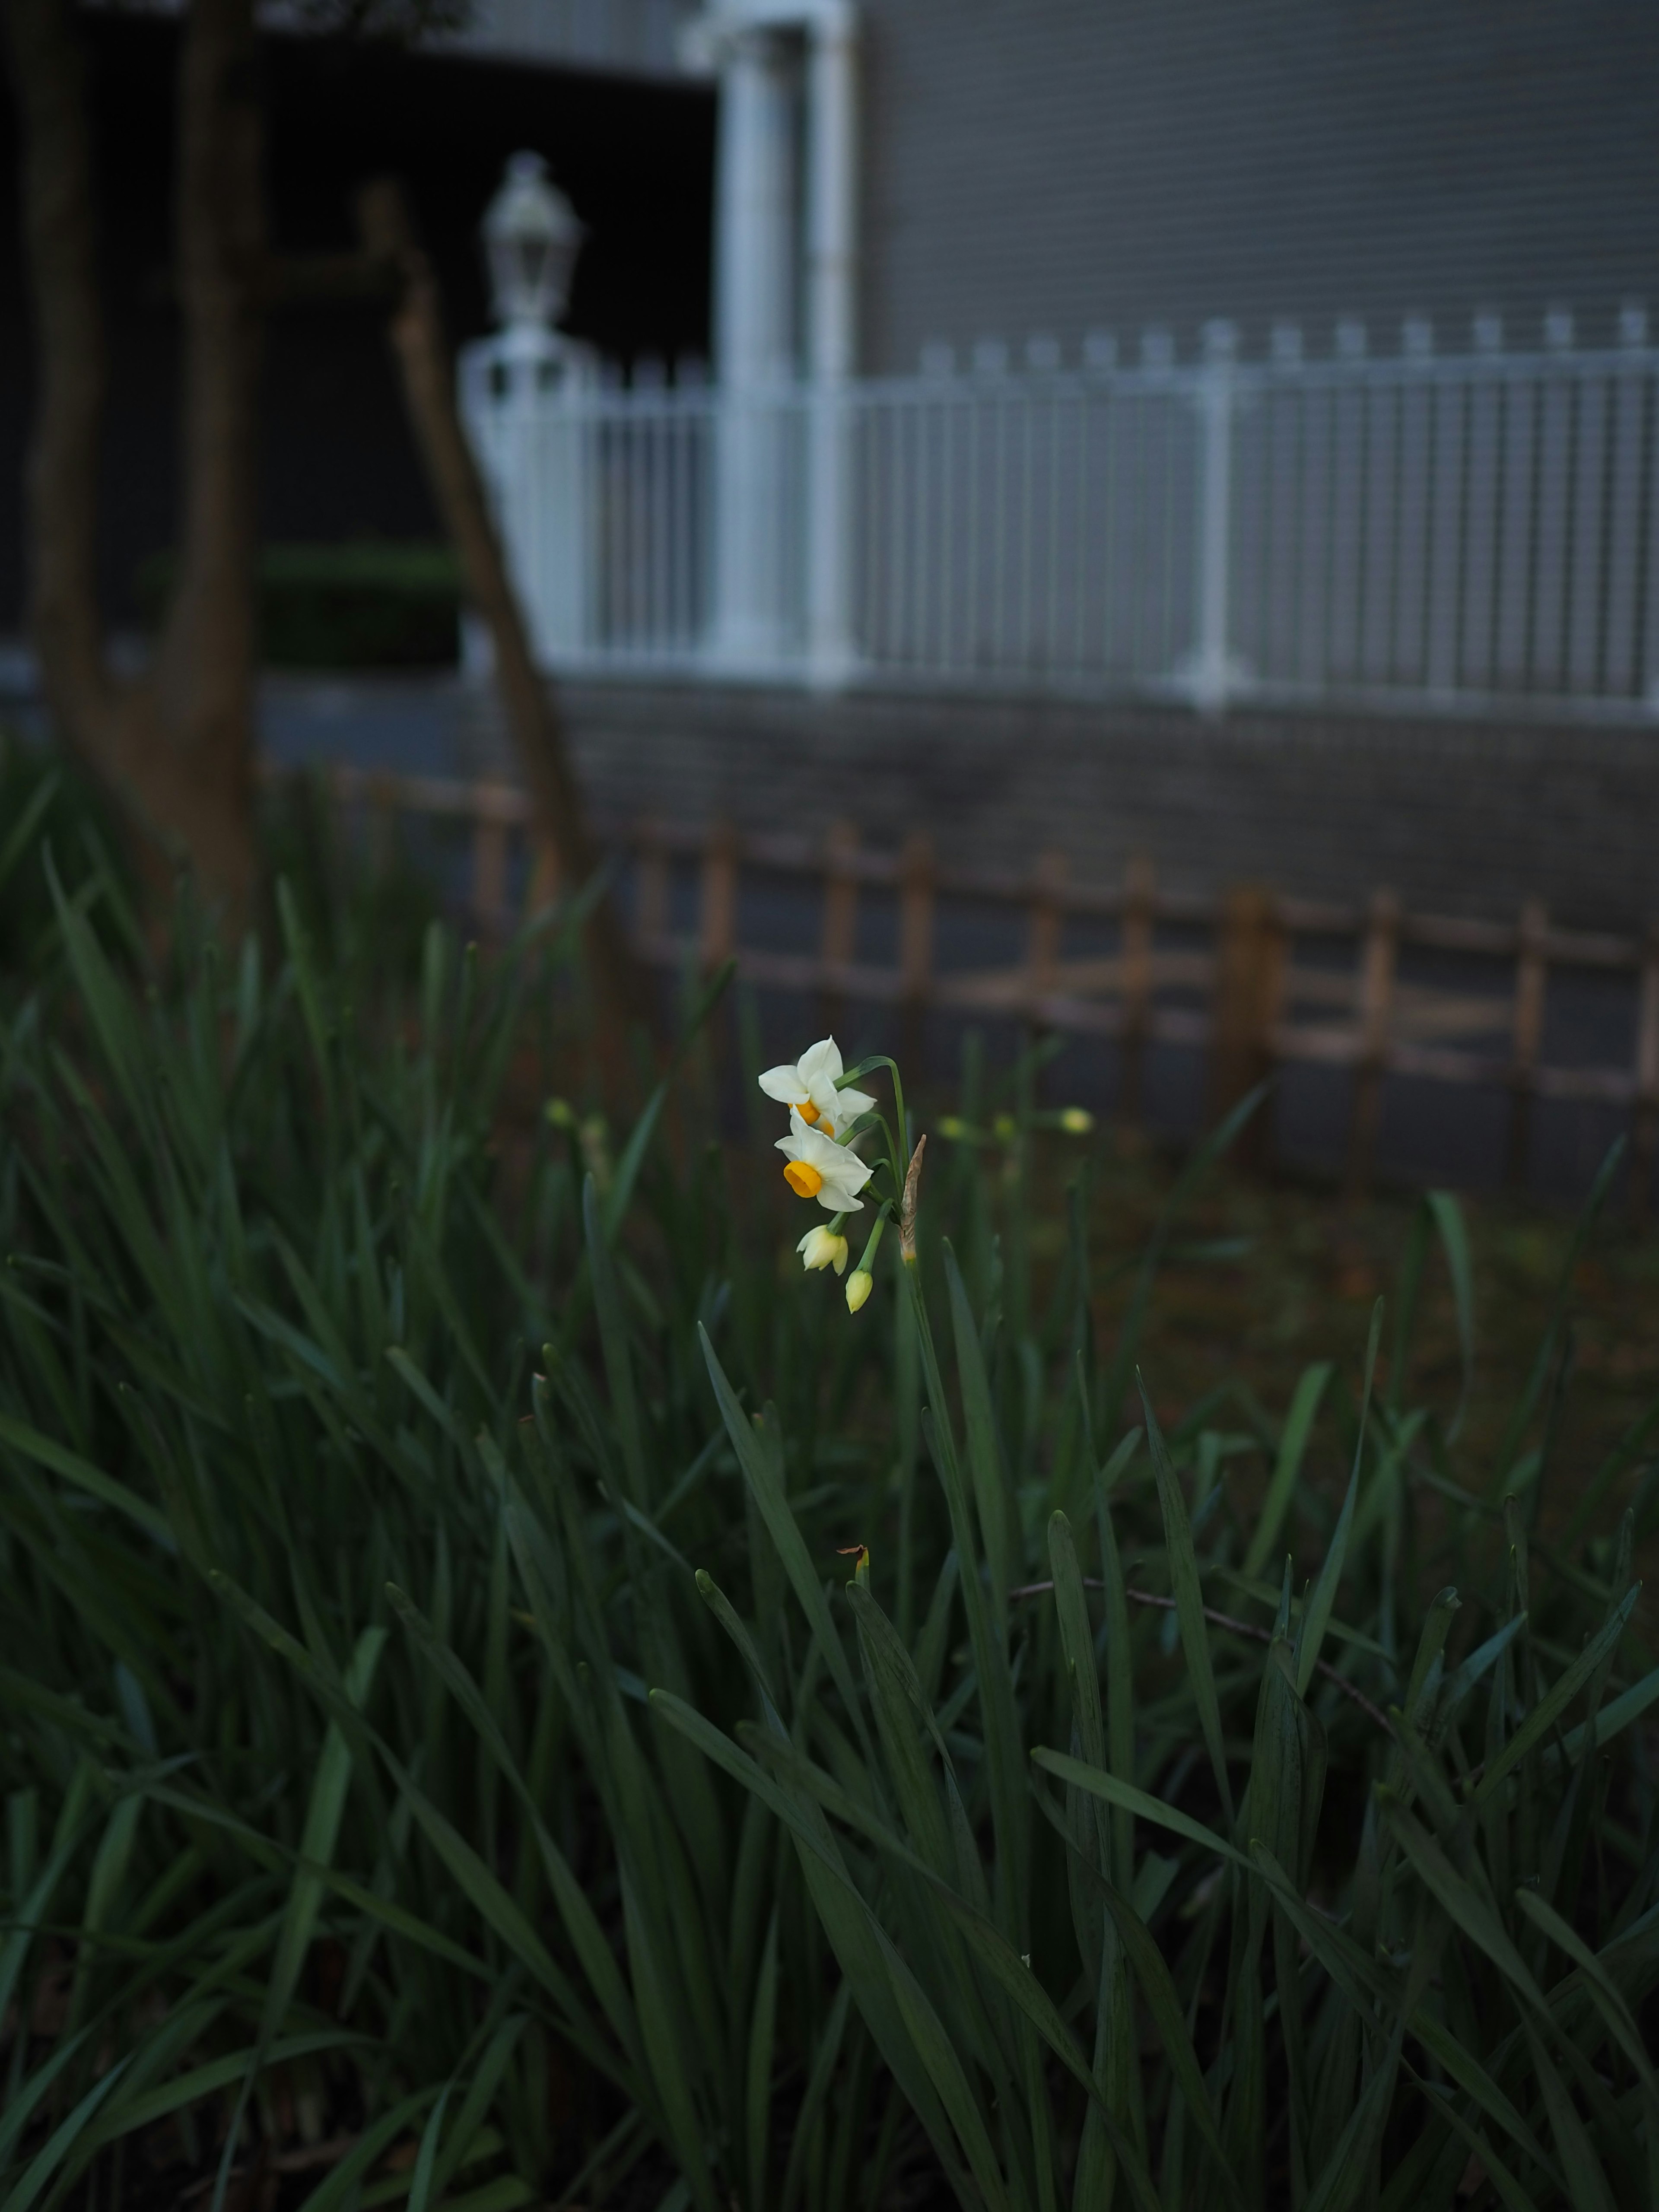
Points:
x=753 y=265
x=832 y=307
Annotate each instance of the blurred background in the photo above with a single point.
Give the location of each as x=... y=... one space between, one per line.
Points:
x=1140 y=522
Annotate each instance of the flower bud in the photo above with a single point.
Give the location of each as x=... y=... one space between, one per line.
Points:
x=822 y=1248
x=859 y=1287
x=1077 y=1121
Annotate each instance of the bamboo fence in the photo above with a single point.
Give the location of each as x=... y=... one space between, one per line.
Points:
x=1245 y=986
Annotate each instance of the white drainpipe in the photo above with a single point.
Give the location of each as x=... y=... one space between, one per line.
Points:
x=756 y=251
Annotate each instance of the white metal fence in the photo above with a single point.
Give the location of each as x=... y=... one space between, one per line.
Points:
x=1461 y=530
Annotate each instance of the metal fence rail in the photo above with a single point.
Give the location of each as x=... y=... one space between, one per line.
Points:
x=1462 y=532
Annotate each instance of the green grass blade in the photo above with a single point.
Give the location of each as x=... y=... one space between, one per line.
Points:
x=1317 y=1611
x=1137 y=1802
x=762 y=2037
x=999 y=1526
x=58 y=2146
x=783 y=1528
x=1189 y=1594
x=426 y=2158
x=1287 y=1465
x=1447 y=1217
x=1555 y=1701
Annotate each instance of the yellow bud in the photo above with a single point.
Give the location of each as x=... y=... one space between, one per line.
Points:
x=1007 y=1128
x=561 y=1113
x=822 y=1248
x=859 y=1287
x=1077 y=1121
x=953 y=1127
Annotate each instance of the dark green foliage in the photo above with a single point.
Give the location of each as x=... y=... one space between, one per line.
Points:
x=368 y=602
x=435 y=1713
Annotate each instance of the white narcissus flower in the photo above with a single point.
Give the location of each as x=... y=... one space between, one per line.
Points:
x=817 y=1168
x=822 y=1248
x=810 y=1086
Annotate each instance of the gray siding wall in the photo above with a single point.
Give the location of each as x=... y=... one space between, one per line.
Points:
x=1054 y=166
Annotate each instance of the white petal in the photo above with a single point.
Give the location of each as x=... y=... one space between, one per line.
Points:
x=785 y=1084
x=821 y=1062
x=851 y=1103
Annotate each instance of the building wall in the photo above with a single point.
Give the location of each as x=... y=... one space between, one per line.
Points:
x=641 y=37
x=1054 y=166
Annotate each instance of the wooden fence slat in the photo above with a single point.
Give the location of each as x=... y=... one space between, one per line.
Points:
x=718 y=923
x=1531 y=980
x=915 y=935
x=1244 y=1012
x=838 y=926
x=651 y=890
x=1378 y=961
x=542 y=889
x=1045 y=929
x=1140 y=922
x=490 y=857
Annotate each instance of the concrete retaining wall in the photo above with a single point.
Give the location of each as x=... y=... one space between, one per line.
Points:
x=1456 y=816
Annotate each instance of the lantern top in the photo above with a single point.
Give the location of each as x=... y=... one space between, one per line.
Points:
x=531 y=237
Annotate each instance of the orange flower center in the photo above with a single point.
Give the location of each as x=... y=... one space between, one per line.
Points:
x=807 y=1111
x=806 y=1182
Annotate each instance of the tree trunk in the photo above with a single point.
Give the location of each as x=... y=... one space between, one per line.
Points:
x=423 y=354
x=176 y=746
x=60 y=241
x=205 y=668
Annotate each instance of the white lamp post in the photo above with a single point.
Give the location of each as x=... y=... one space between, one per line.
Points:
x=531 y=237
x=524 y=391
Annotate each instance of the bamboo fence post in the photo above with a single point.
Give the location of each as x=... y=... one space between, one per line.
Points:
x=1531 y=977
x=717 y=935
x=489 y=802
x=1248 y=982
x=1379 y=953
x=1139 y=916
x=916 y=938
x=650 y=894
x=542 y=889
x=838 y=926
x=1044 y=933
x=1645 y=1134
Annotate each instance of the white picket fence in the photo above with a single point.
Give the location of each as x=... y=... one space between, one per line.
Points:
x=1424 y=529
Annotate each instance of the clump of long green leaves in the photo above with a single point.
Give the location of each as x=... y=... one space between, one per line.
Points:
x=434 y=1721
